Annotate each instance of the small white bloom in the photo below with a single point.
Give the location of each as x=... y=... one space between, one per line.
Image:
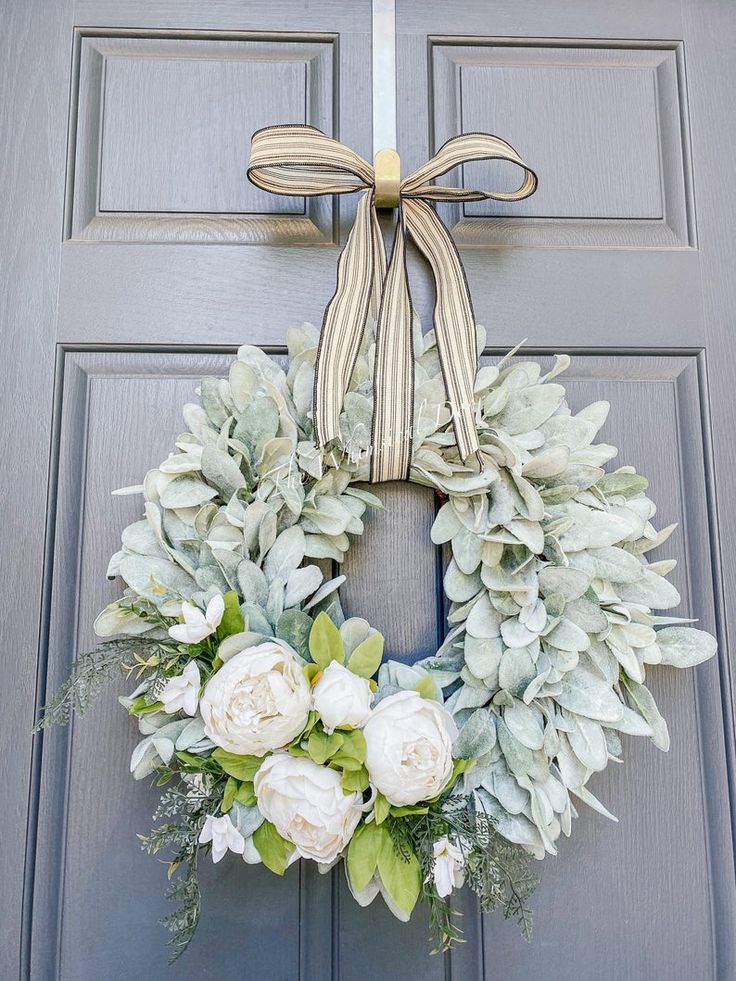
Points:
x=307 y=805
x=258 y=700
x=182 y=692
x=409 y=747
x=341 y=697
x=198 y=625
x=223 y=834
x=447 y=870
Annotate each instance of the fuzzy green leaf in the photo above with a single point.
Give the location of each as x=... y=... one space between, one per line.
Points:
x=294 y=627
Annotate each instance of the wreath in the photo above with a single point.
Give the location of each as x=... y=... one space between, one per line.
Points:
x=274 y=725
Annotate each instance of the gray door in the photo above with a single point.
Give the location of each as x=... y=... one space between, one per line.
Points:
x=137 y=258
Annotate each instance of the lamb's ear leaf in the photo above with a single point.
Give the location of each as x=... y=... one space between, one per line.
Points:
x=325 y=642
x=401 y=878
x=363 y=854
x=366 y=658
x=273 y=849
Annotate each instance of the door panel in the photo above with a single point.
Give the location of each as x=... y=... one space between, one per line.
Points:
x=610 y=264
x=163 y=259
x=161 y=132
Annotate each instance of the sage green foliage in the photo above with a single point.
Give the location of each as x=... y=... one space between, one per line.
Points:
x=90 y=674
x=552 y=622
x=499 y=872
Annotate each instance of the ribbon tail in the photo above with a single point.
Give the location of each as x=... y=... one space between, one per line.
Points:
x=393 y=376
x=344 y=322
x=379 y=265
x=457 y=342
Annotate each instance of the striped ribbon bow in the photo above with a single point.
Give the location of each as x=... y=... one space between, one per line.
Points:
x=303 y=161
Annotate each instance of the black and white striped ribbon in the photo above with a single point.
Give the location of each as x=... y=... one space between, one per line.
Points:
x=303 y=161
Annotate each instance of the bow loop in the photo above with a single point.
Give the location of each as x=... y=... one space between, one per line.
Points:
x=303 y=161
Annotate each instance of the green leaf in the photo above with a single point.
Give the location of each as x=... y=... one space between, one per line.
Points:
x=426 y=687
x=410 y=809
x=402 y=879
x=232 y=619
x=353 y=781
x=246 y=795
x=381 y=808
x=240 y=767
x=459 y=767
x=231 y=789
x=321 y=746
x=311 y=671
x=363 y=852
x=351 y=755
x=366 y=658
x=273 y=849
x=141 y=707
x=325 y=642
x=189 y=759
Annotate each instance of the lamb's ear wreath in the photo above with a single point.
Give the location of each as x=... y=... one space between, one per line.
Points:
x=275 y=725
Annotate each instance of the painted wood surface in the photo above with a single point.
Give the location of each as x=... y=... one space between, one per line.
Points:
x=126 y=276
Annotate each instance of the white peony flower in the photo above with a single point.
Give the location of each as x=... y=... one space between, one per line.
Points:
x=198 y=625
x=447 y=870
x=409 y=747
x=259 y=700
x=223 y=834
x=341 y=697
x=307 y=805
x=182 y=692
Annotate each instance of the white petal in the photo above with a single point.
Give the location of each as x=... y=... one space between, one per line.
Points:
x=190 y=701
x=215 y=611
x=205 y=834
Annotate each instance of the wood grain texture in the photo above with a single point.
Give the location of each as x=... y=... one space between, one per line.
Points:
x=658 y=799
x=711 y=32
x=34 y=87
x=651 y=897
x=605 y=124
x=161 y=131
